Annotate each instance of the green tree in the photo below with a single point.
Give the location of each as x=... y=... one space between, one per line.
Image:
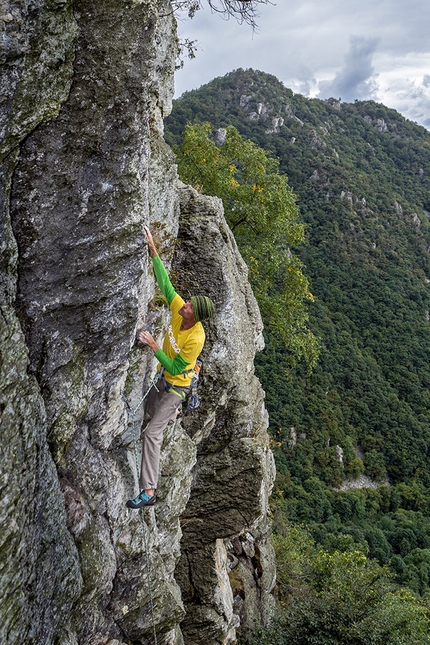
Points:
x=339 y=598
x=261 y=210
x=364 y=196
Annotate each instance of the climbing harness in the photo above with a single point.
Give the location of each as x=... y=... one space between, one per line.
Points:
x=193 y=401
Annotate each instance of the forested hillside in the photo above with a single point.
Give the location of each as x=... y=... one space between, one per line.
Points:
x=361 y=173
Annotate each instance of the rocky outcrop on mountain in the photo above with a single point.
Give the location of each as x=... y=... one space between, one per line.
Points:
x=84 y=166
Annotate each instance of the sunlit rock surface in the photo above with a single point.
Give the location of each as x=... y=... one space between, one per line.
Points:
x=84 y=166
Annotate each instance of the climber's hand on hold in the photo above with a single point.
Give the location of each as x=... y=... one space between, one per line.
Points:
x=151 y=245
x=146 y=338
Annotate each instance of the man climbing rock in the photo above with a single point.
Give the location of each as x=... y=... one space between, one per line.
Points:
x=182 y=345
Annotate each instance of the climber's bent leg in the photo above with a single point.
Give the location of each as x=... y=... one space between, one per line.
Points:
x=153 y=399
x=161 y=407
x=165 y=411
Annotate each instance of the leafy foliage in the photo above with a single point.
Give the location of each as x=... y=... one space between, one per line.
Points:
x=339 y=598
x=261 y=210
x=361 y=175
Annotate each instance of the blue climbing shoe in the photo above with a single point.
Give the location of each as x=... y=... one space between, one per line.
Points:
x=141 y=500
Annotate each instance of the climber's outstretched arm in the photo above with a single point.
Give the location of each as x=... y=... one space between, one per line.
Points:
x=152 y=250
x=161 y=274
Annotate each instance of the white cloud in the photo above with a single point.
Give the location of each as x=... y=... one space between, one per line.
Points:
x=404 y=84
x=356 y=49
x=411 y=98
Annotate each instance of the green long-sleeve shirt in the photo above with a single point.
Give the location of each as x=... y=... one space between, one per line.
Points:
x=181 y=348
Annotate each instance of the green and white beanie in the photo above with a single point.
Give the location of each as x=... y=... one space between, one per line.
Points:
x=203 y=307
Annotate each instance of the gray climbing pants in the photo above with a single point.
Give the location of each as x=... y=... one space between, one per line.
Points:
x=161 y=408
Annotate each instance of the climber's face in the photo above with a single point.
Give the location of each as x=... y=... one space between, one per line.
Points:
x=187 y=311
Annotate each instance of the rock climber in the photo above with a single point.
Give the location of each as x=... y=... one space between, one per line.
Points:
x=182 y=345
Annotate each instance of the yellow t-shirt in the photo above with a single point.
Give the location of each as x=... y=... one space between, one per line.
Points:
x=188 y=343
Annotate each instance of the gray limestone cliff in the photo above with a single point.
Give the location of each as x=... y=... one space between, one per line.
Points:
x=84 y=90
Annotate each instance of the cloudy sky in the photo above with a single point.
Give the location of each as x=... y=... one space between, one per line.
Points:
x=353 y=49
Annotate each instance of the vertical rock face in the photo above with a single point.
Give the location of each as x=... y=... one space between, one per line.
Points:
x=40 y=577
x=234 y=472
x=83 y=167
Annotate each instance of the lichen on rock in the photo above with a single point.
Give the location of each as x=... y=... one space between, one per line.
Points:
x=234 y=473
x=84 y=167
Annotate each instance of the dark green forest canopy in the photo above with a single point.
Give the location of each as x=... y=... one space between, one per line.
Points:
x=362 y=176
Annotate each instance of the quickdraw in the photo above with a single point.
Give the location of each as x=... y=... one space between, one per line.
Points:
x=194 y=401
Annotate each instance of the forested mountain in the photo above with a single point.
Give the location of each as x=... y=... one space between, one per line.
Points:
x=361 y=173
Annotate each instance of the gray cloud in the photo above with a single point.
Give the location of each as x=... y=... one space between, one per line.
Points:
x=355 y=80
x=369 y=49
